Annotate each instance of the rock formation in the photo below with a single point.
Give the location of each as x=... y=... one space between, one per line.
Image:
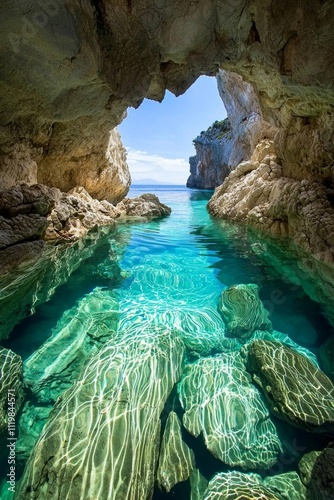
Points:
x=80 y=332
x=176 y=460
x=198 y=485
x=243 y=312
x=71 y=70
x=107 y=426
x=296 y=390
x=209 y=167
x=321 y=481
x=11 y=389
x=146 y=206
x=235 y=485
x=220 y=401
x=258 y=193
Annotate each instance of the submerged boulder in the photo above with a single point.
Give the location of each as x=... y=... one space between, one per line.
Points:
x=198 y=485
x=236 y=485
x=82 y=330
x=102 y=437
x=242 y=311
x=176 y=460
x=11 y=387
x=147 y=206
x=296 y=390
x=321 y=481
x=221 y=402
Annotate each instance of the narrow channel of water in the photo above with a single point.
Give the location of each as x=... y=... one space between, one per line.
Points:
x=172 y=273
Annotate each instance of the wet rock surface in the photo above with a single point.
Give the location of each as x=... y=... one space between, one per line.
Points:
x=176 y=460
x=220 y=401
x=296 y=390
x=243 y=312
x=11 y=388
x=121 y=392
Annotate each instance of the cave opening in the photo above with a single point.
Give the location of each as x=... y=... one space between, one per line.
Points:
x=160 y=137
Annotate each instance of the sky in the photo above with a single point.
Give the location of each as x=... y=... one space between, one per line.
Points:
x=158 y=136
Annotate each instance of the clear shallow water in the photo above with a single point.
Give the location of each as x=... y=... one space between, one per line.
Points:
x=172 y=272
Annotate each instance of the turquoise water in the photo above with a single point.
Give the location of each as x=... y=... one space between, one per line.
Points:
x=172 y=272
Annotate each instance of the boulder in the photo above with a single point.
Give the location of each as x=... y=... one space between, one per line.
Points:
x=176 y=460
x=236 y=485
x=295 y=389
x=107 y=426
x=146 y=206
x=11 y=389
x=242 y=311
x=221 y=403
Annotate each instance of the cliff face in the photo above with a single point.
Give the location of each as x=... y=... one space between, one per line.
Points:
x=69 y=70
x=209 y=167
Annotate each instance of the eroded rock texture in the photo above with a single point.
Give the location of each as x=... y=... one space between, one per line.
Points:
x=176 y=460
x=70 y=70
x=296 y=390
x=210 y=165
x=80 y=332
x=321 y=481
x=259 y=193
x=243 y=312
x=102 y=437
x=235 y=486
x=11 y=387
x=220 y=401
x=145 y=206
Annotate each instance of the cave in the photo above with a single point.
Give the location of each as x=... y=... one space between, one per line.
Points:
x=114 y=385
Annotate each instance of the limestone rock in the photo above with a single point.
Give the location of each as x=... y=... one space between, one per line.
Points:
x=220 y=401
x=146 y=206
x=326 y=354
x=295 y=389
x=31 y=423
x=242 y=311
x=288 y=485
x=257 y=192
x=107 y=426
x=81 y=331
x=11 y=387
x=306 y=464
x=176 y=460
x=235 y=485
x=210 y=166
x=248 y=126
x=321 y=483
x=198 y=485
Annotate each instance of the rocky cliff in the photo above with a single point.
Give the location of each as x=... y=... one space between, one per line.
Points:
x=209 y=167
x=69 y=70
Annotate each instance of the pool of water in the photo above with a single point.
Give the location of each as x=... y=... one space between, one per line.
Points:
x=172 y=272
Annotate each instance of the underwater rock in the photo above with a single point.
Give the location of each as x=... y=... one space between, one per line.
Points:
x=221 y=402
x=243 y=311
x=102 y=437
x=176 y=460
x=306 y=464
x=321 y=482
x=23 y=287
x=326 y=354
x=11 y=387
x=288 y=485
x=82 y=330
x=295 y=389
x=146 y=206
x=198 y=485
x=31 y=423
x=236 y=485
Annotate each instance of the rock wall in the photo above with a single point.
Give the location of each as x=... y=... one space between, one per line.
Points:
x=209 y=167
x=70 y=69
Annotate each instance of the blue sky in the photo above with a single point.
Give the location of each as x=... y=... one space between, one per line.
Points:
x=158 y=137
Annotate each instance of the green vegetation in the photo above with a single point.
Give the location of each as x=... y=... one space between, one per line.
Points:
x=216 y=131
